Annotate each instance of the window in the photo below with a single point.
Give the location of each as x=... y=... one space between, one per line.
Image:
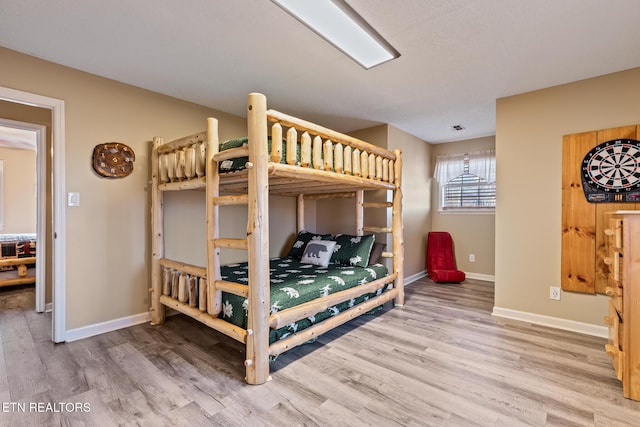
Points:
x=467 y=182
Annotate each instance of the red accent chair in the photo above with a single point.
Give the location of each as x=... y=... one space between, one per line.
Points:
x=441 y=261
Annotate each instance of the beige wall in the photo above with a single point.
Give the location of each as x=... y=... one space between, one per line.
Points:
x=185 y=230
x=19 y=197
x=529 y=130
x=416 y=191
x=107 y=235
x=472 y=233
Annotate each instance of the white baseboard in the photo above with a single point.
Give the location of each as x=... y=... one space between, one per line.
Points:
x=476 y=276
x=48 y=307
x=109 y=326
x=414 y=277
x=480 y=276
x=553 y=322
x=136 y=319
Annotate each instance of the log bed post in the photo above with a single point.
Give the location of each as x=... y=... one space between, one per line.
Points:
x=257 y=357
x=300 y=212
x=397 y=230
x=157 y=241
x=214 y=296
x=359 y=213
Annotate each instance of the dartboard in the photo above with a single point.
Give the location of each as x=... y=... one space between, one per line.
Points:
x=611 y=171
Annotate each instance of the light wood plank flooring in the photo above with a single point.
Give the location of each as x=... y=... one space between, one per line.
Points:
x=442 y=360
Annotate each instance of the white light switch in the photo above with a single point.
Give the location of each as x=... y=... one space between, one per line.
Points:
x=73 y=199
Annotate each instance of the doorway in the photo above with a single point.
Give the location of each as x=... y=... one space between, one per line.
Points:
x=56 y=233
x=30 y=137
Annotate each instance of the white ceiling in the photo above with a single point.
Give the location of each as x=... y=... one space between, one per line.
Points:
x=458 y=56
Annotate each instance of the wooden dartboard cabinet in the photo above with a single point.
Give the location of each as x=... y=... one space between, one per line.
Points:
x=584 y=242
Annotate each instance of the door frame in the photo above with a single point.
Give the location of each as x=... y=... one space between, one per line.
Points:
x=58 y=233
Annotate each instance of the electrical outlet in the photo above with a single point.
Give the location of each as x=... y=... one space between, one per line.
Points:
x=472 y=257
x=554 y=293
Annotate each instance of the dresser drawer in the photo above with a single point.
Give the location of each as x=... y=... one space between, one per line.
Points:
x=614 y=264
x=613 y=346
x=617 y=358
x=614 y=292
x=614 y=232
x=617 y=266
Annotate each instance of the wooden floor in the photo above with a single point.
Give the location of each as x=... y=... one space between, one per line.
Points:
x=442 y=360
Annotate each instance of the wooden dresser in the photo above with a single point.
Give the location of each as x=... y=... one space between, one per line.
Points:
x=623 y=290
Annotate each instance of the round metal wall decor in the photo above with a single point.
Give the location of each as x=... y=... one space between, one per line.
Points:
x=113 y=160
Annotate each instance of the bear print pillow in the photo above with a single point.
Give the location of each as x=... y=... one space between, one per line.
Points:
x=318 y=252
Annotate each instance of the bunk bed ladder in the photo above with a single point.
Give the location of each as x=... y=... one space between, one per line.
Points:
x=256 y=242
x=396 y=229
x=215 y=284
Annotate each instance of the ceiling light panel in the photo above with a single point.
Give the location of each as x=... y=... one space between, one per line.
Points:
x=340 y=25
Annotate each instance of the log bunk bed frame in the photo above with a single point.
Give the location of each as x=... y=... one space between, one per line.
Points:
x=22 y=277
x=21 y=263
x=342 y=166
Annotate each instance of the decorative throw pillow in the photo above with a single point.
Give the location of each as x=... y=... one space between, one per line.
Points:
x=305 y=237
x=376 y=253
x=353 y=250
x=318 y=252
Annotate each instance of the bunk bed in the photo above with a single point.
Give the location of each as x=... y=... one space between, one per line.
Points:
x=285 y=156
x=17 y=259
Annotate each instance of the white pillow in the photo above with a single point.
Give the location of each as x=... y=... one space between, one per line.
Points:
x=318 y=252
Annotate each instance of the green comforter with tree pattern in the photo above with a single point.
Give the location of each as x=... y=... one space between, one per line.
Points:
x=294 y=283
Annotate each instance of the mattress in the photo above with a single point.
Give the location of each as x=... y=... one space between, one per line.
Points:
x=294 y=283
x=17 y=245
x=17 y=237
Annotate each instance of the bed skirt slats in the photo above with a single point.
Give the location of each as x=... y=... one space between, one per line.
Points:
x=188 y=284
x=184 y=283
